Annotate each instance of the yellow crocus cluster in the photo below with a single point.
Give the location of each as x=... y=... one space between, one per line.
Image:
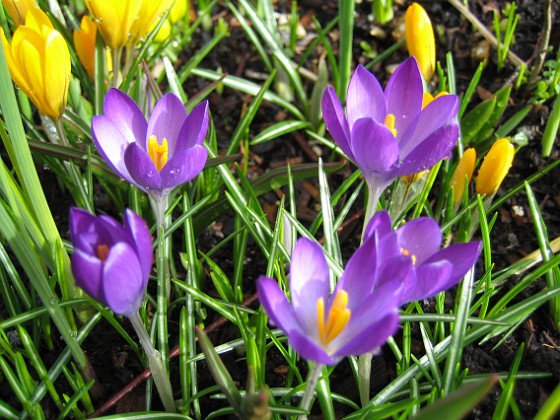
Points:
x=420 y=40
x=176 y=13
x=17 y=9
x=39 y=62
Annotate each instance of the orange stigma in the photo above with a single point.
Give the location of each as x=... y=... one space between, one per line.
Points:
x=102 y=252
x=157 y=152
x=390 y=123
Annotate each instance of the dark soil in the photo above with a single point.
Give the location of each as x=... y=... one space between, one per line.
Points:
x=513 y=235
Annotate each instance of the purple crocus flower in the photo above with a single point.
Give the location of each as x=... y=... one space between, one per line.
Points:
x=359 y=316
x=435 y=269
x=388 y=133
x=111 y=262
x=155 y=155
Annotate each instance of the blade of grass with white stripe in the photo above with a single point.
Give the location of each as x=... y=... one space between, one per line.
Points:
x=346 y=27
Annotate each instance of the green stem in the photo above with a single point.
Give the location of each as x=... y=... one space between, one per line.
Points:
x=310 y=390
x=157 y=367
x=374 y=192
x=364 y=376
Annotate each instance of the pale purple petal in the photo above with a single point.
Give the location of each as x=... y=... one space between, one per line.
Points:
x=336 y=122
x=437 y=146
x=309 y=280
x=462 y=256
x=420 y=237
x=166 y=121
x=379 y=224
x=376 y=148
x=111 y=145
x=400 y=268
x=88 y=273
x=404 y=94
x=142 y=168
x=276 y=306
x=80 y=221
x=194 y=129
x=310 y=350
x=430 y=280
x=123 y=286
x=125 y=115
x=440 y=112
x=142 y=240
x=183 y=167
x=365 y=98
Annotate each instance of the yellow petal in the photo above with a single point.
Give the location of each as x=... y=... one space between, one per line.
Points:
x=84 y=42
x=463 y=175
x=114 y=19
x=149 y=12
x=178 y=11
x=495 y=167
x=57 y=70
x=420 y=39
x=17 y=9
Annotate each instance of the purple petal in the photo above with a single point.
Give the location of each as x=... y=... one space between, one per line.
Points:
x=123 y=286
x=110 y=144
x=461 y=256
x=276 y=306
x=87 y=270
x=309 y=281
x=404 y=93
x=431 y=279
x=125 y=115
x=194 y=128
x=309 y=349
x=399 y=268
x=142 y=238
x=166 y=121
x=141 y=168
x=374 y=146
x=435 y=147
x=365 y=98
x=184 y=166
x=440 y=112
x=420 y=237
x=80 y=221
x=336 y=122
x=379 y=224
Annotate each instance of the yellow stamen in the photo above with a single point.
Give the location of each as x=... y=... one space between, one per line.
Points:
x=337 y=319
x=102 y=252
x=157 y=152
x=390 y=124
x=406 y=253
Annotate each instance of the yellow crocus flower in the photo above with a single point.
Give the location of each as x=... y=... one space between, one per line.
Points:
x=149 y=11
x=17 y=9
x=84 y=42
x=495 y=167
x=115 y=19
x=178 y=11
x=464 y=169
x=420 y=39
x=39 y=63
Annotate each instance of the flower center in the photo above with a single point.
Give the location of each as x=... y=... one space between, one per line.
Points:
x=102 y=252
x=157 y=152
x=337 y=319
x=406 y=253
x=390 y=123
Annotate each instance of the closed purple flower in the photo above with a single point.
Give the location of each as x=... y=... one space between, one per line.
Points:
x=359 y=316
x=155 y=155
x=435 y=269
x=111 y=262
x=388 y=133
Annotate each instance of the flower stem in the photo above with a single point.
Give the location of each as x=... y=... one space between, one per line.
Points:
x=374 y=192
x=157 y=367
x=364 y=376
x=310 y=390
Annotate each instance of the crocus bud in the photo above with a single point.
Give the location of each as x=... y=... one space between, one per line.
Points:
x=114 y=19
x=17 y=9
x=463 y=175
x=147 y=15
x=420 y=40
x=112 y=262
x=178 y=11
x=84 y=42
x=495 y=167
x=39 y=63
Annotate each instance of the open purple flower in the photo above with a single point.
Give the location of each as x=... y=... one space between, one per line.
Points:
x=155 y=155
x=111 y=262
x=435 y=269
x=359 y=316
x=387 y=133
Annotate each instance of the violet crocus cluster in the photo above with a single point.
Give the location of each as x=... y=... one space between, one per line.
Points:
x=156 y=155
x=112 y=262
x=389 y=269
x=388 y=133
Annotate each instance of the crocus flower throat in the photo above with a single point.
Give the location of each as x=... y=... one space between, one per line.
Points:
x=158 y=153
x=337 y=319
